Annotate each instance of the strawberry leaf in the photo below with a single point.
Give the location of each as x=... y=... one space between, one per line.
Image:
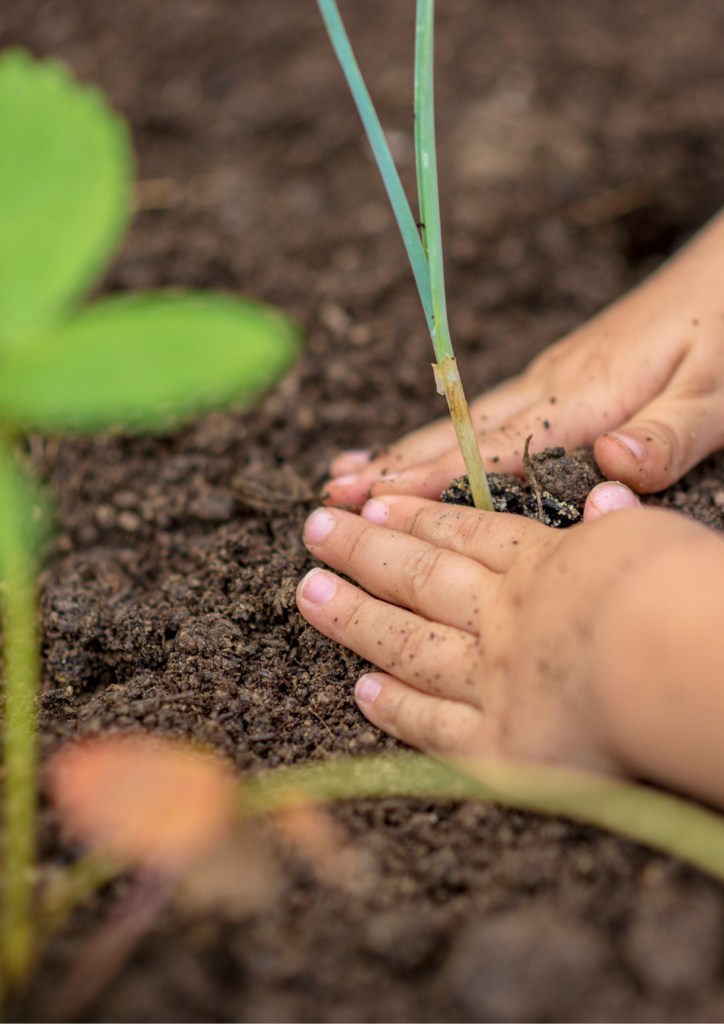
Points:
x=65 y=188
x=145 y=361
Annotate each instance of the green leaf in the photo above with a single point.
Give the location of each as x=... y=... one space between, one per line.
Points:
x=65 y=189
x=145 y=361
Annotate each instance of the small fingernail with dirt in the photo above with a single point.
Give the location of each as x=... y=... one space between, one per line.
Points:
x=611 y=497
x=318 y=586
x=632 y=445
x=355 y=457
x=342 y=481
x=319 y=526
x=375 y=511
x=367 y=689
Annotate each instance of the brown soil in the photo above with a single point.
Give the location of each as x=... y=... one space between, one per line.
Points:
x=580 y=144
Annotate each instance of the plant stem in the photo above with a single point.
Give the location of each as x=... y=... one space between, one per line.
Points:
x=419 y=76
x=678 y=827
x=18 y=603
x=448 y=378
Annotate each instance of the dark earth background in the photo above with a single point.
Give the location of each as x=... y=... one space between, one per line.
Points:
x=580 y=144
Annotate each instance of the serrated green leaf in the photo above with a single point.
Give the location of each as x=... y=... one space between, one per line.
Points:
x=145 y=361
x=65 y=189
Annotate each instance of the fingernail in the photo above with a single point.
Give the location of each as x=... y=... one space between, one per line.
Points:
x=318 y=586
x=358 y=455
x=610 y=497
x=366 y=689
x=375 y=512
x=632 y=446
x=319 y=526
x=342 y=481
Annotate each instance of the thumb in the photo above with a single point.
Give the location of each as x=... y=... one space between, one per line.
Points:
x=663 y=440
x=608 y=497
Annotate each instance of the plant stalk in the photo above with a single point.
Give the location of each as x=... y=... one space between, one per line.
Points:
x=672 y=824
x=447 y=380
x=447 y=376
x=18 y=604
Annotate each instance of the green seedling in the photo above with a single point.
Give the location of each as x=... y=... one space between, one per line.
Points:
x=424 y=248
x=135 y=362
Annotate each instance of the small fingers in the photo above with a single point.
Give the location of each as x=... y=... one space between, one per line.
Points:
x=665 y=438
x=569 y=422
x=490 y=538
x=433 y=658
x=427 y=459
x=435 y=582
x=432 y=724
x=350 y=485
x=350 y=462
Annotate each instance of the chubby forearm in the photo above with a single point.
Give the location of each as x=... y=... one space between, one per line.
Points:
x=660 y=665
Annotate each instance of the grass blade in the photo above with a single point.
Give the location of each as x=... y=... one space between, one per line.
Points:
x=426 y=154
x=378 y=142
x=419 y=73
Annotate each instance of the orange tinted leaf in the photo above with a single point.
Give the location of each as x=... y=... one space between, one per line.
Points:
x=314 y=835
x=147 y=801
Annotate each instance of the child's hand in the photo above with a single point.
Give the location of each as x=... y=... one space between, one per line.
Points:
x=643 y=380
x=598 y=646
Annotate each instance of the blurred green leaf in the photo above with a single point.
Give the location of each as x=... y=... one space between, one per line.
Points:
x=65 y=189
x=145 y=361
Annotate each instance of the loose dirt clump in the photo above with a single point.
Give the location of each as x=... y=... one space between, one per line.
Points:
x=580 y=145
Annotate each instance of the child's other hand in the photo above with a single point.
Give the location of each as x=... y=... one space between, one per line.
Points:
x=598 y=646
x=643 y=381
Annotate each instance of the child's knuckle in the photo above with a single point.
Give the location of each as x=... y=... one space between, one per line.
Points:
x=410 y=642
x=421 y=569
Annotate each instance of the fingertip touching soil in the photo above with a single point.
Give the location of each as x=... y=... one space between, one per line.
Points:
x=580 y=144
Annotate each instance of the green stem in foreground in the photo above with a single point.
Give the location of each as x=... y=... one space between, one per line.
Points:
x=448 y=378
x=18 y=603
x=678 y=827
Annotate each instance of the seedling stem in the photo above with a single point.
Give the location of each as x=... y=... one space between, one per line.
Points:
x=447 y=376
x=424 y=249
x=20 y=669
